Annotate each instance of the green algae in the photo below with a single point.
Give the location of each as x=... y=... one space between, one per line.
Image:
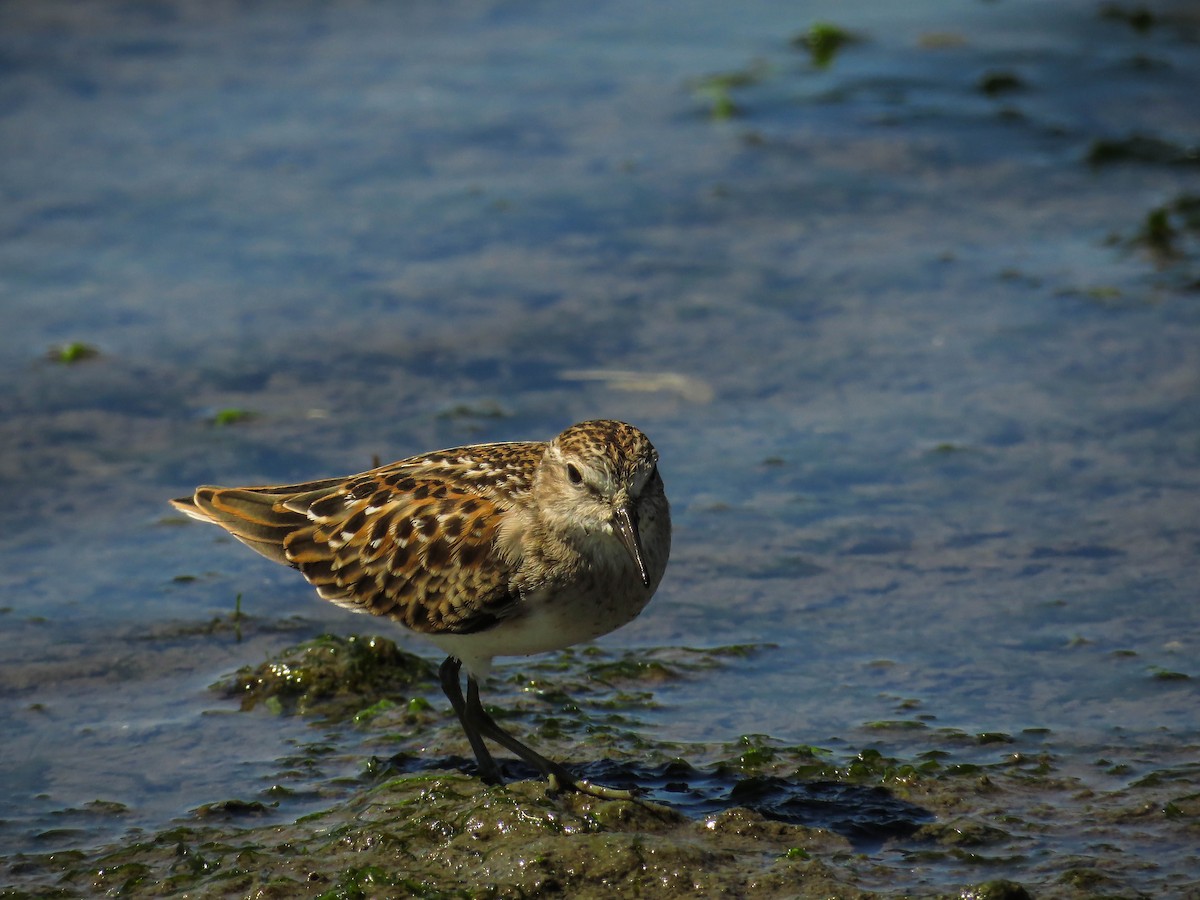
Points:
x=231 y=416
x=1158 y=234
x=437 y=834
x=450 y=836
x=823 y=41
x=329 y=676
x=1141 y=149
x=755 y=816
x=995 y=890
x=1000 y=82
x=73 y=352
x=718 y=90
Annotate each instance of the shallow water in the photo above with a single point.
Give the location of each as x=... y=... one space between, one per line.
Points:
x=927 y=406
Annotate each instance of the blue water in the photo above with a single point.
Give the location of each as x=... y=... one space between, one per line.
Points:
x=927 y=412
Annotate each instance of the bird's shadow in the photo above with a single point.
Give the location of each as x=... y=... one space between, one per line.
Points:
x=866 y=815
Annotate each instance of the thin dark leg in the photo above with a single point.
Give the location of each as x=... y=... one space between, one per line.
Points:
x=489 y=772
x=558 y=776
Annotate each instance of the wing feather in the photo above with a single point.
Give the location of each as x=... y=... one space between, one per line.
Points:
x=414 y=541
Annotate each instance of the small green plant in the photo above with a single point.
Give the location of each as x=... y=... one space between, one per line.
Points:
x=718 y=90
x=1169 y=232
x=231 y=416
x=1158 y=234
x=823 y=41
x=74 y=352
x=366 y=714
x=237 y=617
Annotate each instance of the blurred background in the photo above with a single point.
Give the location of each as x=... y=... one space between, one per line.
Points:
x=905 y=295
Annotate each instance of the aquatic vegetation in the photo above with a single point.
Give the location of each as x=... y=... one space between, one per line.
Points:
x=1187 y=208
x=484 y=409
x=717 y=90
x=996 y=83
x=823 y=41
x=363 y=716
x=755 y=814
x=1169 y=675
x=231 y=416
x=1141 y=148
x=1158 y=234
x=74 y=352
x=946 y=448
x=231 y=809
x=1139 y=18
x=331 y=677
x=237 y=616
x=1169 y=232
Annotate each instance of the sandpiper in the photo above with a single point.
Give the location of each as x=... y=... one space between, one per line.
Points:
x=504 y=549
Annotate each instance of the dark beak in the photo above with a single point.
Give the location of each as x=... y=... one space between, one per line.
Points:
x=625 y=525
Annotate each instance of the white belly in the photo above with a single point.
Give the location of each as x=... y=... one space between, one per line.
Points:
x=547 y=622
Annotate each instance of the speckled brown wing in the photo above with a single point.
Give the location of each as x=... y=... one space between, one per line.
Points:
x=425 y=557
x=414 y=540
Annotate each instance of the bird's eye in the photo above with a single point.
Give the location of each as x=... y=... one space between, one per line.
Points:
x=573 y=474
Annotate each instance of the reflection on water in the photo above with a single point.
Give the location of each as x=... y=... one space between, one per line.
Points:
x=914 y=332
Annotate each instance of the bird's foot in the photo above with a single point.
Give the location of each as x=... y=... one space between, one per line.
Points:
x=561 y=780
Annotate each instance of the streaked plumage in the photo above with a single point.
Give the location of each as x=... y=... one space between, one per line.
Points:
x=489 y=550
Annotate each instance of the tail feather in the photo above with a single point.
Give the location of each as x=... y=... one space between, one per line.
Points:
x=257 y=518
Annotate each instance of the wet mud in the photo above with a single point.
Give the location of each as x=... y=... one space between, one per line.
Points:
x=939 y=815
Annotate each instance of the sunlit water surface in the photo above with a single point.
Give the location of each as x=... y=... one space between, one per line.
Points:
x=927 y=409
